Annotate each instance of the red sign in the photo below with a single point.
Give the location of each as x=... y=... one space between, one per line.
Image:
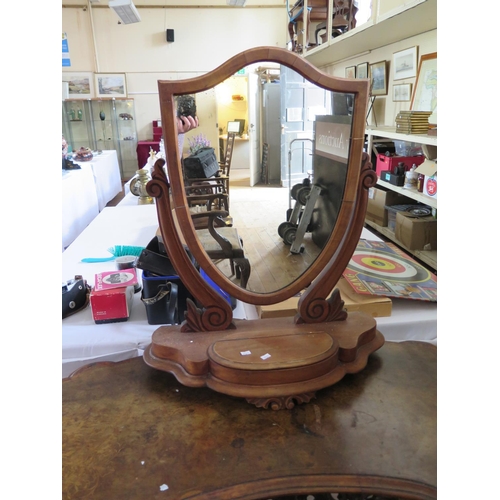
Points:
x=431 y=186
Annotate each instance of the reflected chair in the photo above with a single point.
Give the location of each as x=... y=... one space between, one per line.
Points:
x=225 y=165
x=219 y=183
x=201 y=200
x=223 y=243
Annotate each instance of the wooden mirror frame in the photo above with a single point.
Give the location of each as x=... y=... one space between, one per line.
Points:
x=344 y=348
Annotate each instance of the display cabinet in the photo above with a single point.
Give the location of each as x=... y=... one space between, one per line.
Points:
x=126 y=135
x=103 y=124
x=77 y=124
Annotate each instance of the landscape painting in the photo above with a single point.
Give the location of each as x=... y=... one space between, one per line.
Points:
x=80 y=85
x=111 y=85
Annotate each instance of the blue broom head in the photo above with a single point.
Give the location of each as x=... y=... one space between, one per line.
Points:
x=117 y=251
x=125 y=250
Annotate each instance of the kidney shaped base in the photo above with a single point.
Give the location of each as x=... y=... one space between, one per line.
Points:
x=272 y=363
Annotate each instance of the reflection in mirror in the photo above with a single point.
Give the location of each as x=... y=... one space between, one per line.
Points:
x=282 y=206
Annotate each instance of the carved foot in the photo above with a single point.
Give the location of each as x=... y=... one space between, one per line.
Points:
x=282 y=403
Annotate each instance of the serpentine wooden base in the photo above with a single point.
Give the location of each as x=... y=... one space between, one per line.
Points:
x=272 y=363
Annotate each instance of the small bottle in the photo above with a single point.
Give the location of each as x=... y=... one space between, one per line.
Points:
x=80 y=114
x=420 y=183
x=72 y=114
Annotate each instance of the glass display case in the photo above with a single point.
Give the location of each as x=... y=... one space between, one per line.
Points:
x=126 y=136
x=77 y=124
x=103 y=124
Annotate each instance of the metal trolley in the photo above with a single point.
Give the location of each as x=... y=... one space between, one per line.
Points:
x=298 y=220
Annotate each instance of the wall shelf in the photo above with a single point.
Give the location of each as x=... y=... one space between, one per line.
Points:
x=411 y=193
x=390 y=133
x=397 y=25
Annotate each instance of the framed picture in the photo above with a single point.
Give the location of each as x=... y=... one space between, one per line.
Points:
x=110 y=85
x=424 y=97
x=350 y=72
x=404 y=63
x=401 y=92
x=378 y=78
x=80 y=85
x=362 y=70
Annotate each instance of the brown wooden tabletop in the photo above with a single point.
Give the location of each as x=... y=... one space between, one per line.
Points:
x=130 y=431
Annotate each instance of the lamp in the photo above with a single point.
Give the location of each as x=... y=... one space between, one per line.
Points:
x=125 y=10
x=236 y=3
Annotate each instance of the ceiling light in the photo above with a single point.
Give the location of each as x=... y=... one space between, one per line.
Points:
x=236 y=3
x=125 y=10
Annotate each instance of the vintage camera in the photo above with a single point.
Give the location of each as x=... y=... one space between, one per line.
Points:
x=75 y=295
x=186 y=105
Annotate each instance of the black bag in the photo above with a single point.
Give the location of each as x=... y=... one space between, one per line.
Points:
x=165 y=299
x=201 y=165
x=163 y=293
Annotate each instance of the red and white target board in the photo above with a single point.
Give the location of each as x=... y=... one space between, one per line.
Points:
x=378 y=268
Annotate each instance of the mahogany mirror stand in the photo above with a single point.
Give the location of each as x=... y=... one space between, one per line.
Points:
x=279 y=362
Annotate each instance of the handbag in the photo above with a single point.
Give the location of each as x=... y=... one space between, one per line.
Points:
x=201 y=165
x=163 y=293
x=160 y=295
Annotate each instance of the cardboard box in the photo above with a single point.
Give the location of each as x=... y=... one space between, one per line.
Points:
x=416 y=233
x=111 y=306
x=378 y=198
x=376 y=306
x=429 y=169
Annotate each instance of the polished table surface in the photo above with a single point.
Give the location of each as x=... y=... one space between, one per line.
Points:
x=130 y=431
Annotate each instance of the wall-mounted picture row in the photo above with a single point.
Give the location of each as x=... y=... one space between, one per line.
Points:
x=82 y=85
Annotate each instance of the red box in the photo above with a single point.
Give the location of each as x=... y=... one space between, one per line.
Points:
x=389 y=162
x=111 y=306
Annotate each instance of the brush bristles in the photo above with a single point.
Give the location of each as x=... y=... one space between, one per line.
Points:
x=123 y=250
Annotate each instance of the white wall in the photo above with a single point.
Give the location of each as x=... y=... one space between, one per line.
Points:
x=204 y=39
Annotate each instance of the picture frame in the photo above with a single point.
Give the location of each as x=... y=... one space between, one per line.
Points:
x=404 y=63
x=110 y=85
x=362 y=70
x=80 y=84
x=350 y=72
x=378 y=78
x=401 y=92
x=424 y=96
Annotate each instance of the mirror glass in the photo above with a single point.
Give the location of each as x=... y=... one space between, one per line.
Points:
x=288 y=167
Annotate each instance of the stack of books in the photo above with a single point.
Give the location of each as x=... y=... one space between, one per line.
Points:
x=413 y=122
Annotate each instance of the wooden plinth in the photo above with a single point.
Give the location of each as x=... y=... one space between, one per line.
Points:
x=272 y=363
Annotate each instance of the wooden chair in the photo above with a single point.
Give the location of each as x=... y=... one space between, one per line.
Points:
x=317 y=10
x=223 y=243
x=219 y=183
x=344 y=18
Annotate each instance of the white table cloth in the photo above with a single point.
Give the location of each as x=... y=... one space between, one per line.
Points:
x=106 y=170
x=84 y=342
x=85 y=192
x=80 y=205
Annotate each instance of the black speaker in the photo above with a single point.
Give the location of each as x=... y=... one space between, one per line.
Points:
x=170 y=35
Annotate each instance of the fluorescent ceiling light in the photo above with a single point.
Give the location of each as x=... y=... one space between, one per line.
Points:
x=236 y=3
x=125 y=10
